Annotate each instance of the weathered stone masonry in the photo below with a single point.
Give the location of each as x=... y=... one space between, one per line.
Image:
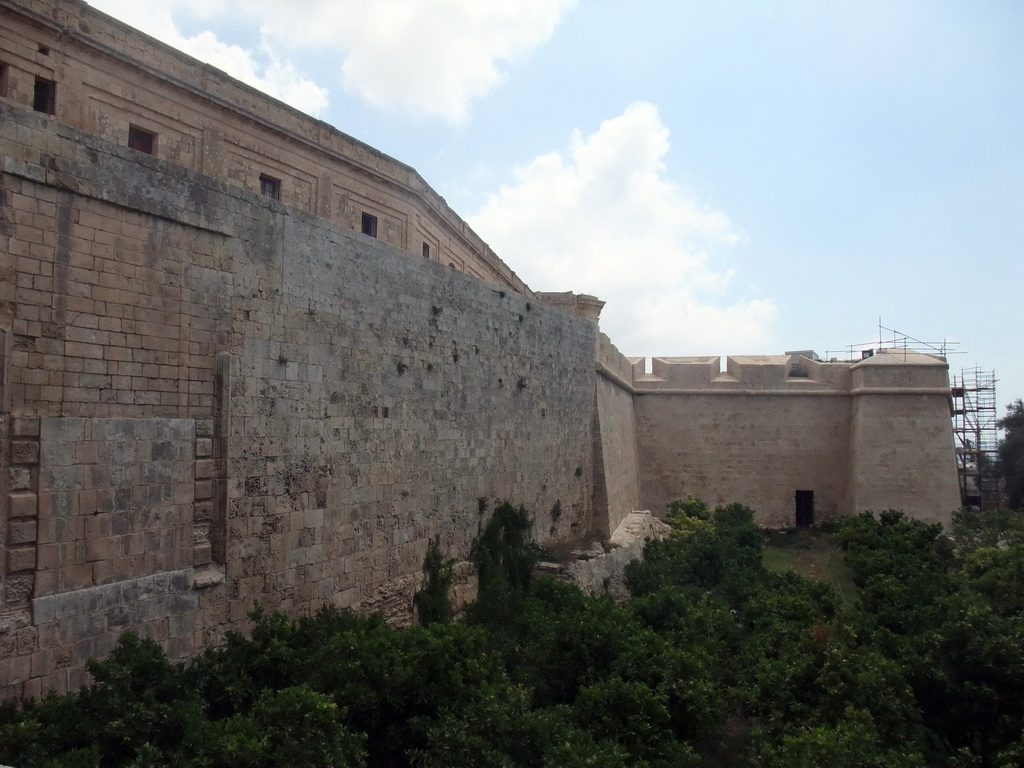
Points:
x=214 y=389
x=218 y=399
x=871 y=435
x=110 y=81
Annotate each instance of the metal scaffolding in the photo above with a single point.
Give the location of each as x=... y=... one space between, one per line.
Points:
x=977 y=436
x=892 y=341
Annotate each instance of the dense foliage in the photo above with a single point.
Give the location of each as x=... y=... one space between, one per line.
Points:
x=714 y=662
x=1011 y=453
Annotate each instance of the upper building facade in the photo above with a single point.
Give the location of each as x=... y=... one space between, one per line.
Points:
x=100 y=76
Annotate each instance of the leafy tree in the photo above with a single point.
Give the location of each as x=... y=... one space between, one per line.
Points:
x=715 y=662
x=637 y=717
x=50 y=732
x=394 y=685
x=685 y=516
x=723 y=553
x=998 y=574
x=1011 y=453
x=505 y=731
x=851 y=742
x=293 y=726
x=972 y=529
x=140 y=704
x=432 y=604
x=952 y=621
x=504 y=554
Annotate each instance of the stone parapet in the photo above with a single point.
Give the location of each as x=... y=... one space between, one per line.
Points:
x=790 y=374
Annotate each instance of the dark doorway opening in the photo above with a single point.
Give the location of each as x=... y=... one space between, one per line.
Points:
x=804 y=509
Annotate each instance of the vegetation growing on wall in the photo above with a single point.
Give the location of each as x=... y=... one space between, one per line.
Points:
x=714 y=662
x=432 y=605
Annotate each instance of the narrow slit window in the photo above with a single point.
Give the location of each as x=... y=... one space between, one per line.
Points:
x=45 y=96
x=141 y=140
x=369 y=225
x=3 y=79
x=426 y=250
x=270 y=187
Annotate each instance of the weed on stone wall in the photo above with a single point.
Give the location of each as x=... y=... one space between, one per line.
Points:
x=504 y=554
x=432 y=604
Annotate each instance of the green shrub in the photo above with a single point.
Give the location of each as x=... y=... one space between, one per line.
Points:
x=431 y=601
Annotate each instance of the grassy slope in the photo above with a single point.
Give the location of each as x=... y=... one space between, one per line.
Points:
x=811 y=553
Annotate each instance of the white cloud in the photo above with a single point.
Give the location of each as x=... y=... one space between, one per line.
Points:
x=263 y=69
x=425 y=57
x=430 y=58
x=604 y=219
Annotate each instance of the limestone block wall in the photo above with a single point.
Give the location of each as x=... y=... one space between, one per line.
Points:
x=864 y=436
x=212 y=398
x=214 y=389
x=117 y=313
x=101 y=531
x=900 y=425
x=756 y=449
x=374 y=400
x=616 y=464
x=115 y=500
x=111 y=80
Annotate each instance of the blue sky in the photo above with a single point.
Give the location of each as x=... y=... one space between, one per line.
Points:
x=731 y=177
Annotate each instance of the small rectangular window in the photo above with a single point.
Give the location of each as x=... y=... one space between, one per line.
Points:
x=45 y=97
x=141 y=140
x=426 y=250
x=3 y=80
x=270 y=187
x=369 y=225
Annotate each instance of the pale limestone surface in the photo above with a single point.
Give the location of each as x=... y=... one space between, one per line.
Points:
x=864 y=436
x=210 y=398
x=616 y=464
x=600 y=569
x=276 y=409
x=112 y=77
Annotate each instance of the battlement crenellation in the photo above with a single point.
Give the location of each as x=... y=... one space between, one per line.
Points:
x=793 y=373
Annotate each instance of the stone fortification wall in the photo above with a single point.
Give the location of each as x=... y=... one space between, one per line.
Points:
x=616 y=464
x=870 y=435
x=106 y=542
x=747 y=448
x=215 y=398
x=900 y=424
x=111 y=80
x=224 y=379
